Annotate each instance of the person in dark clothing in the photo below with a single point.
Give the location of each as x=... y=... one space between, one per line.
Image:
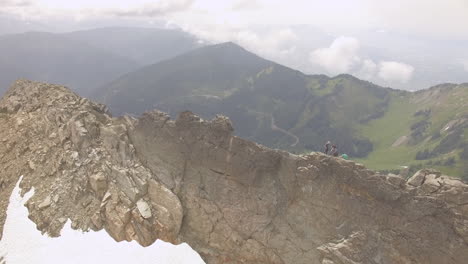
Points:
x=334 y=151
x=327 y=147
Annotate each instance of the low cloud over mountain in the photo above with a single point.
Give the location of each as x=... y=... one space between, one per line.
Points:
x=392 y=71
x=428 y=36
x=340 y=57
x=344 y=56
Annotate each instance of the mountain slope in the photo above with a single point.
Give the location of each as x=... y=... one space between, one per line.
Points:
x=268 y=103
x=209 y=72
x=87 y=59
x=426 y=128
x=142 y=45
x=55 y=58
x=283 y=108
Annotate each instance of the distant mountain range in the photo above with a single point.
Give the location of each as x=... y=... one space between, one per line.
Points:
x=136 y=70
x=143 y=45
x=280 y=107
x=85 y=60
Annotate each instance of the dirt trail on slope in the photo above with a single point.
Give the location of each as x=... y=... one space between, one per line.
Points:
x=274 y=127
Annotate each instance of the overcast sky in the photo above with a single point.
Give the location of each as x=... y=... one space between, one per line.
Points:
x=441 y=18
x=350 y=30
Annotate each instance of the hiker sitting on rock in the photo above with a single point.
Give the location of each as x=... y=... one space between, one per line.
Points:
x=327 y=147
x=334 y=151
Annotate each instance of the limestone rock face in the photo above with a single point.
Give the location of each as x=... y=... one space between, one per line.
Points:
x=234 y=201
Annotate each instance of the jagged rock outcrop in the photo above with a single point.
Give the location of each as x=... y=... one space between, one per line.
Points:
x=232 y=200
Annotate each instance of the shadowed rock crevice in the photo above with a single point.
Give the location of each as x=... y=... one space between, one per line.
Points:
x=234 y=201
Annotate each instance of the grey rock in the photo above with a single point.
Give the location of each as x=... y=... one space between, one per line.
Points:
x=144 y=209
x=169 y=211
x=98 y=183
x=417 y=179
x=46 y=203
x=234 y=201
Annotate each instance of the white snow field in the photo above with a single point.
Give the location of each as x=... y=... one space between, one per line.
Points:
x=22 y=243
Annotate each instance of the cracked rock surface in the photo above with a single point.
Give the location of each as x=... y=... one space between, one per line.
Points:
x=234 y=201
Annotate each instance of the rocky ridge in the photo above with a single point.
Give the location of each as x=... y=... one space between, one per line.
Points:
x=234 y=201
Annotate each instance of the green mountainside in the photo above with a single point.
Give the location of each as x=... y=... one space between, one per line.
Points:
x=428 y=128
x=274 y=105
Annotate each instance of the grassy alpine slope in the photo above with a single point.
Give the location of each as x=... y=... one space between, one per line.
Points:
x=283 y=108
x=427 y=128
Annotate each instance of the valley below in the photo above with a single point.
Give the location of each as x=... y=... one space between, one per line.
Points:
x=381 y=127
x=233 y=132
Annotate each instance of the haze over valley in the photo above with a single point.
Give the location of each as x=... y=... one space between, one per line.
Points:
x=255 y=131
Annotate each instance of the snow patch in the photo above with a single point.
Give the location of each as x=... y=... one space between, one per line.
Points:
x=22 y=243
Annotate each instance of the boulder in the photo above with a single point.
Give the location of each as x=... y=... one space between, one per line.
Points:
x=98 y=183
x=144 y=209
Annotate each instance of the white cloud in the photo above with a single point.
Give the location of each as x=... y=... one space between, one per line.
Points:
x=340 y=57
x=153 y=9
x=392 y=71
x=368 y=70
x=465 y=65
x=50 y=10
x=14 y=3
x=244 y=5
x=272 y=44
x=14 y=6
x=431 y=17
x=343 y=57
x=276 y=44
x=286 y=38
x=280 y=42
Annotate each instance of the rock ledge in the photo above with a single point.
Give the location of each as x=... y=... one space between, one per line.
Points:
x=234 y=201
